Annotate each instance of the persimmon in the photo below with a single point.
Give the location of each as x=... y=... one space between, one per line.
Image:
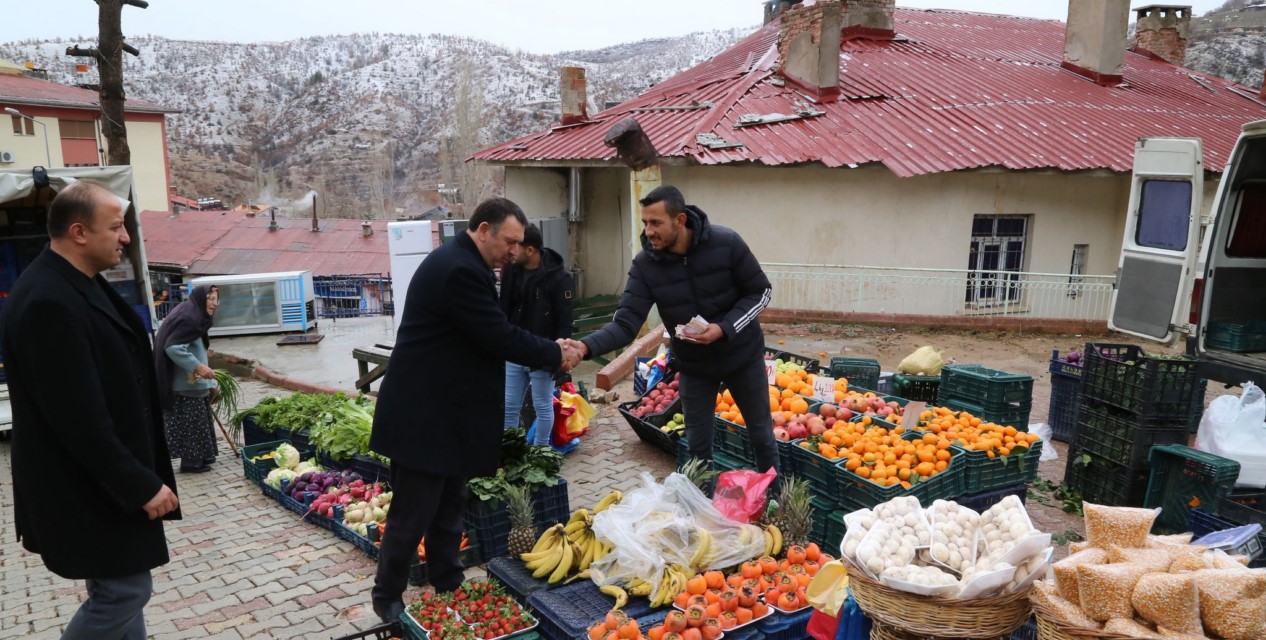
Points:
x=729 y=601
x=629 y=630
x=752 y=569
x=744 y=615
x=695 y=615
x=746 y=597
x=692 y=633
x=812 y=551
x=656 y=632
x=795 y=554
x=700 y=600
x=712 y=596
x=714 y=579
x=675 y=621
x=711 y=628
x=598 y=631
x=759 y=610
x=768 y=564
x=696 y=585
x=729 y=619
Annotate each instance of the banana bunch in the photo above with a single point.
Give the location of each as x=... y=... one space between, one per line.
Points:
x=773 y=540
x=579 y=530
x=671 y=582
x=703 y=554
x=621 y=596
x=554 y=555
x=611 y=498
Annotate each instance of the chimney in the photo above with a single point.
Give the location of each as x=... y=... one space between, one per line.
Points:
x=573 y=95
x=366 y=229
x=869 y=18
x=1094 y=39
x=774 y=8
x=1161 y=30
x=272 y=223
x=809 y=47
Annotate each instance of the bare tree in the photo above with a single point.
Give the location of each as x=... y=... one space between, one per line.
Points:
x=109 y=57
x=467 y=117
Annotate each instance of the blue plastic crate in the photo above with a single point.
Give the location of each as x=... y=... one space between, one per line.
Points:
x=566 y=613
x=789 y=626
x=1065 y=399
x=516 y=578
x=1027 y=631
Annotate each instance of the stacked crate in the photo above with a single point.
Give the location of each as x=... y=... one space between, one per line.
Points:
x=1130 y=402
x=991 y=395
x=1065 y=398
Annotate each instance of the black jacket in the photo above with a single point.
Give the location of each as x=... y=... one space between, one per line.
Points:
x=539 y=300
x=88 y=443
x=718 y=279
x=441 y=406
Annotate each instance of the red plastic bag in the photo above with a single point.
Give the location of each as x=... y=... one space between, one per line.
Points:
x=561 y=437
x=823 y=626
x=740 y=495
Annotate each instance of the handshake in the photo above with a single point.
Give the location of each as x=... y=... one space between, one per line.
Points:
x=573 y=352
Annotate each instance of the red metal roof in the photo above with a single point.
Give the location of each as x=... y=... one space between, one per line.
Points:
x=954 y=91
x=229 y=243
x=20 y=89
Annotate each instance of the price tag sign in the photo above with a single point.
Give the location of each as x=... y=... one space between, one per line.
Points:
x=770 y=370
x=824 y=388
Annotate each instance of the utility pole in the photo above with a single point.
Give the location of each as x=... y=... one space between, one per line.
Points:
x=109 y=56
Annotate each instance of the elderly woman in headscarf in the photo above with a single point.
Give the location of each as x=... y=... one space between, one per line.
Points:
x=185 y=382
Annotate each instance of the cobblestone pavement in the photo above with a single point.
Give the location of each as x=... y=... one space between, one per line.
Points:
x=243 y=567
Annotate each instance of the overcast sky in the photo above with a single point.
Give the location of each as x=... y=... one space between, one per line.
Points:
x=539 y=26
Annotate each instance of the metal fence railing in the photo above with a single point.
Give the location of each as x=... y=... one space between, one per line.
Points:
x=938 y=292
x=352 y=296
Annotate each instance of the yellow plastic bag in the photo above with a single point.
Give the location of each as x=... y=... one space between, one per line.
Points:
x=925 y=361
x=828 y=590
x=578 y=421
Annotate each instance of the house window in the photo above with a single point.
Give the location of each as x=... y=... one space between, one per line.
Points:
x=996 y=259
x=1164 y=215
x=22 y=126
x=79 y=143
x=1077 y=269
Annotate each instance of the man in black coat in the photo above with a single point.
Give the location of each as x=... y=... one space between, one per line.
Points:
x=439 y=413
x=536 y=295
x=690 y=267
x=92 y=478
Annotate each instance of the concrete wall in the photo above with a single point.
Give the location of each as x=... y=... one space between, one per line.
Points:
x=868 y=216
x=29 y=150
x=542 y=193
x=149 y=164
x=602 y=238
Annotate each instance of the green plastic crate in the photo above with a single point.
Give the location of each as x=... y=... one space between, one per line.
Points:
x=257 y=471
x=1102 y=481
x=983 y=473
x=860 y=372
x=732 y=440
x=816 y=468
x=1123 y=437
x=1182 y=479
x=855 y=492
x=996 y=391
x=1248 y=337
x=821 y=525
x=1018 y=418
x=923 y=388
x=835 y=530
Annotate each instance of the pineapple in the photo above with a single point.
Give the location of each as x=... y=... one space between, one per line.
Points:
x=794 y=514
x=522 y=531
x=699 y=472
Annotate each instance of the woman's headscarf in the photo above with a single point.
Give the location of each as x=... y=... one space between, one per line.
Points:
x=187 y=322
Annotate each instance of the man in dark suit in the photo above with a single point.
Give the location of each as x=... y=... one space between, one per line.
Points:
x=92 y=478
x=440 y=409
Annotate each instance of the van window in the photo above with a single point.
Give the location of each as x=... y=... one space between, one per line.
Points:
x=1247 y=238
x=1164 y=213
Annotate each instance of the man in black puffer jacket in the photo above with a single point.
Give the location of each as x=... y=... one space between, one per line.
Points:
x=536 y=295
x=691 y=267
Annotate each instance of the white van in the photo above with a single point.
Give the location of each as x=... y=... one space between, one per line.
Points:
x=1203 y=277
x=25 y=194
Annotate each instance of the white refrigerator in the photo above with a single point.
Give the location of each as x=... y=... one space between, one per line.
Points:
x=409 y=243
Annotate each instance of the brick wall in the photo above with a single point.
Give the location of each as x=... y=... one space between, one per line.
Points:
x=1163 y=31
x=800 y=19
x=573 y=94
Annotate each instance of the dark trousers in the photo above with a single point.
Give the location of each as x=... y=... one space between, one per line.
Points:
x=750 y=389
x=114 y=609
x=421 y=504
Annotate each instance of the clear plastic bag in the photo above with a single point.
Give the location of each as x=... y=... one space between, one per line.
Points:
x=657 y=525
x=1069 y=613
x=1009 y=534
x=1132 y=628
x=856 y=524
x=1120 y=526
x=1233 y=603
x=954 y=535
x=923 y=581
x=883 y=548
x=1066 y=571
x=1105 y=589
x=983 y=582
x=1153 y=559
x=1169 y=601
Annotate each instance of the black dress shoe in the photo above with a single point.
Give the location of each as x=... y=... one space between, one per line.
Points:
x=198 y=469
x=210 y=460
x=389 y=612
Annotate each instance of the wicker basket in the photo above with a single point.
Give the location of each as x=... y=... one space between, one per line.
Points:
x=917 y=616
x=1050 y=629
x=880 y=631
